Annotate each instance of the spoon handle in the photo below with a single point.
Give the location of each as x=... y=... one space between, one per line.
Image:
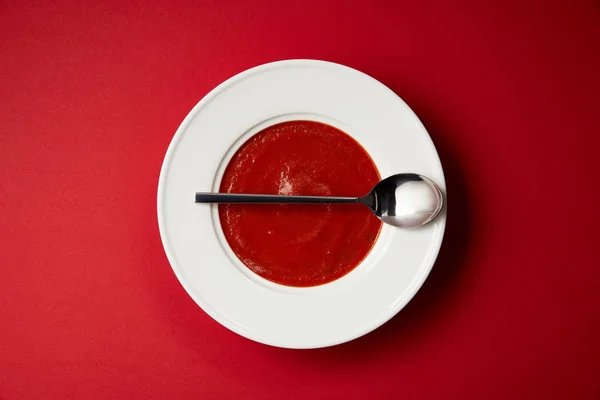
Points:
x=268 y=198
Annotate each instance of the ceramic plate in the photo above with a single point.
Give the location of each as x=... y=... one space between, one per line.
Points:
x=191 y=234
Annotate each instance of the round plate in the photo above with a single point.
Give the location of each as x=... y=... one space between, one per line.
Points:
x=201 y=258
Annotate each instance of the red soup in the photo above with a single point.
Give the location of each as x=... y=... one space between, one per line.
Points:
x=308 y=244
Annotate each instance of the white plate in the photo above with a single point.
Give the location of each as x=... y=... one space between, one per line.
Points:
x=205 y=265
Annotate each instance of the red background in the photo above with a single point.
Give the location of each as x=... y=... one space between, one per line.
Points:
x=91 y=94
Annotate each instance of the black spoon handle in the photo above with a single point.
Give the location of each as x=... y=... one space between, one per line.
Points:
x=268 y=198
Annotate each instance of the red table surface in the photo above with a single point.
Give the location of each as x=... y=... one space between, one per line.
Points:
x=91 y=95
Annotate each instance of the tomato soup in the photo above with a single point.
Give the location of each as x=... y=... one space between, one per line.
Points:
x=300 y=244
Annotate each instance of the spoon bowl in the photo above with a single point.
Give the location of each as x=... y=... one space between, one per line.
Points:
x=405 y=200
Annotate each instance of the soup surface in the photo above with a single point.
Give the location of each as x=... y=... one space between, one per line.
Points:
x=300 y=244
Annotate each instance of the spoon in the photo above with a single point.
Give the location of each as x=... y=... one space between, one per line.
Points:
x=402 y=200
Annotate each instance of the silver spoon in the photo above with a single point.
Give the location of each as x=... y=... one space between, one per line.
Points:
x=402 y=200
